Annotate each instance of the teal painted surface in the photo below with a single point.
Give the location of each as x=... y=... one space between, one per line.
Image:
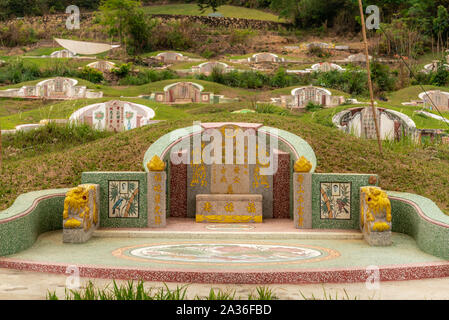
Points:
x=357 y=181
x=21 y=233
x=103 y=178
x=430 y=237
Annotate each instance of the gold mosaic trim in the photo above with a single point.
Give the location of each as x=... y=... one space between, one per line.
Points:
x=227 y=218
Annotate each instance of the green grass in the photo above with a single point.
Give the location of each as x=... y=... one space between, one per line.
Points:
x=63 y=110
x=43 y=51
x=132 y=291
x=227 y=11
x=410 y=93
x=45 y=63
x=422 y=170
x=134 y=91
x=184 y=53
x=324 y=116
x=49 y=138
x=288 y=90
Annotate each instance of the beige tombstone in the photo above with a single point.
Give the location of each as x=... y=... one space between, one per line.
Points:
x=229 y=208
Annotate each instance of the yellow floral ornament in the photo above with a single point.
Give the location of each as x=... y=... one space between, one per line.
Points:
x=156 y=164
x=302 y=165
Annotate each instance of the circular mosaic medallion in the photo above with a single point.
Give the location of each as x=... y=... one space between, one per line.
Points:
x=233 y=227
x=225 y=253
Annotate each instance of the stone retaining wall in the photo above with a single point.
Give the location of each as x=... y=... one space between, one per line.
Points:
x=214 y=22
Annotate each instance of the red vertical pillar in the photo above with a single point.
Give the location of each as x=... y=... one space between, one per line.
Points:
x=178 y=190
x=281 y=187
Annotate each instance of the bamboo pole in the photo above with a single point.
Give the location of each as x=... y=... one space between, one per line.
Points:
x=1 y=148
x=368 y=69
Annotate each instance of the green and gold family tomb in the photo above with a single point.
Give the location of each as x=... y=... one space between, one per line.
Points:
x=240 y=174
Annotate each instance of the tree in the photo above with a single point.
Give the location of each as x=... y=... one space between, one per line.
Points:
x=127 y=19
x=441 y=26
x=213 y=4
x=115 y=14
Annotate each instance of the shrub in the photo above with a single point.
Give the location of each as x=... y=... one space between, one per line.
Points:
x=312 y=106
x=318 y=52
x=440 y=77
x=281 y=79
x=123 y=70
x=383 y=79
x=17 y=34
x=351 y=81
x=16 y=72
x=148 y=76
x=92 y=75
x=271 y=109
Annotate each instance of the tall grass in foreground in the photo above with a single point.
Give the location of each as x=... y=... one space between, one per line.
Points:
x=51 y=137
x=133 y=291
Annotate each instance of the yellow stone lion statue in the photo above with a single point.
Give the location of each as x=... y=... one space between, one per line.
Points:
x=375 y=210
x=76 y=204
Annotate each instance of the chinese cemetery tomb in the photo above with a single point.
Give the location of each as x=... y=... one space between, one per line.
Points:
x=114 y=115
x=57 y=89
x=300 y=97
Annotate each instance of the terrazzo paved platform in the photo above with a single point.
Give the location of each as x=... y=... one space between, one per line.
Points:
x=229 y=258
x=274 y=229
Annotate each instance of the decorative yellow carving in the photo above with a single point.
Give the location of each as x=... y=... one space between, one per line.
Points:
x=229 y=207
x=77 y=201
x=251 y=207
x=302 y=165
x=379 y=209
x=381 y=226
x=72 y=223
x=156 y=164
x=228 y=218
x=207 y=207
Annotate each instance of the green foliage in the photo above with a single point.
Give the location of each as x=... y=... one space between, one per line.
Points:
x=311 y=106
x=123 y=70
x=16 y=72
x=50 y=137
x=17 y=34
x=19 y=70
x=440 y=78
x=91 y=74
x=353 y=81
x=271 y=109
x=219 y=295
x=21 y=8
x=318 y=52
x=213 y=4
x=263 y=293
x=253 y=79
x=128 y=291
x=147 y=76
x=282 y=79
x=382 y=78
x=132 y=291
x=241 y=36
x=127 y=20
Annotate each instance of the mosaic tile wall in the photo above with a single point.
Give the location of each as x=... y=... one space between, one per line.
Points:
x=336 y=199
x=123 y=198
x=432 y=238
x=20 y=233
